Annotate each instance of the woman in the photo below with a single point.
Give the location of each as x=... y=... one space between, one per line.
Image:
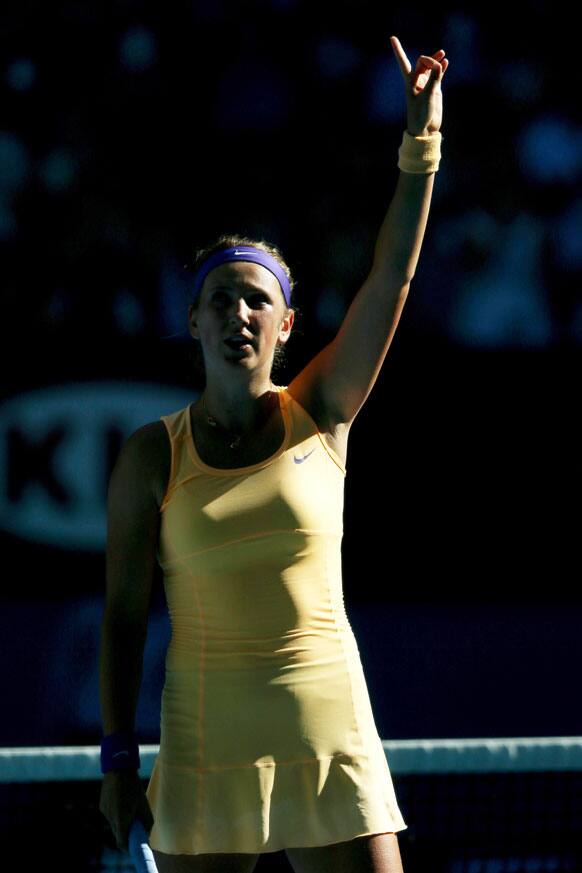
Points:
x=268 y=740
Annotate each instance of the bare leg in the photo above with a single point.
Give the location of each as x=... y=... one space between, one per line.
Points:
x=375 y=853
x=211 y=863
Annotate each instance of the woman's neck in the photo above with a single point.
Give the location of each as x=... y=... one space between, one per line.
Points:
x=240 y=409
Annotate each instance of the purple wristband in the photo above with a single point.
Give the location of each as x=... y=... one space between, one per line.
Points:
x=120 y=751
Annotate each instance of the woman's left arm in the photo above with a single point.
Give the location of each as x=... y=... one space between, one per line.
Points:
x=347 y=368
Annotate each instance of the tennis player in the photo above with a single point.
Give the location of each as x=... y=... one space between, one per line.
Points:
x=268 y=740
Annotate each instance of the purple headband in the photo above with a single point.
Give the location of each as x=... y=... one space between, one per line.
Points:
x=243 y=253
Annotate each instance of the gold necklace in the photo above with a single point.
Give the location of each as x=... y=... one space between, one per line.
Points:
x=213 y=422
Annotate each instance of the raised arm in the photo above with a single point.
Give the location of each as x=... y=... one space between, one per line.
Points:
x=342 y=375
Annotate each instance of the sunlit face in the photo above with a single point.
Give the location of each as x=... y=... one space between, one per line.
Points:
x=240 y=297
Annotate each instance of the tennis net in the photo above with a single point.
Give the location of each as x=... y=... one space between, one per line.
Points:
x=497 y=805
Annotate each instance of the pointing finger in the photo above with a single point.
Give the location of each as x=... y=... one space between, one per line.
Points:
x=403 y=61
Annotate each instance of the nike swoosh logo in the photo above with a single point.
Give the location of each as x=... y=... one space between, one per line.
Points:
x=236 y=251
x=117 y=754
x=304 y=458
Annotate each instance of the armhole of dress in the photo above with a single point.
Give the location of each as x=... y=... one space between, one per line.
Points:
x=331 y=452
x=171 y=477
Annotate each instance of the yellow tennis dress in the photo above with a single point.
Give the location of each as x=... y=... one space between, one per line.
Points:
x=267 y=739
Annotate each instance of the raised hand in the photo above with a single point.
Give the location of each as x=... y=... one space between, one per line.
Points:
x=424 y=97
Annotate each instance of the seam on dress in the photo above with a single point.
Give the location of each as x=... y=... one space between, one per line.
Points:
x=265 y=533
x=333 y=455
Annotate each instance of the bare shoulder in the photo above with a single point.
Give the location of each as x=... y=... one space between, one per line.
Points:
x=149 y=447
x=133 y=521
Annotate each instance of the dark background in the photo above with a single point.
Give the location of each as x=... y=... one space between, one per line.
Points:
x=134 y=133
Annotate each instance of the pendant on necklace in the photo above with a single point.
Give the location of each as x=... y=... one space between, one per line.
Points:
x=212 y=421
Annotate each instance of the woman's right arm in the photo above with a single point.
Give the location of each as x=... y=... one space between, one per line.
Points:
x=132 y=538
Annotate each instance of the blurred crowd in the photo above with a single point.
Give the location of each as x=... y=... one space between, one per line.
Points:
x=134 y=133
